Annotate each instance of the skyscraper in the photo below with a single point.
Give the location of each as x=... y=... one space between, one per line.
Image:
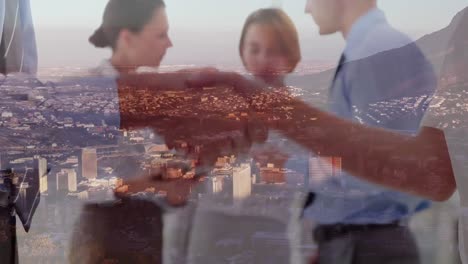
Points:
x=241 y=182
x=40 y=170
x=89 y=163
x=62 y=181
x=214 y=184
x=72 y=180
x=67 y=180
x=3 y=162
x=23 y=195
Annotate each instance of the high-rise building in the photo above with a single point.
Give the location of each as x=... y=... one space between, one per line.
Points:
x=62 y=181
x=23 y=191
x=72 y=180
x=322 y=168
x=241 y=181
x=89 y=163
x=3 y=162
x=40 y=170
x=67 y=180
x=214 y=184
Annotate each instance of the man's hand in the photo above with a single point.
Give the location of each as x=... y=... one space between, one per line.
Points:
x=212 y=122
x=206 y=140
x=242 y=86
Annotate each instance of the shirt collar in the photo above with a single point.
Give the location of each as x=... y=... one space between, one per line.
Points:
x=361 y=28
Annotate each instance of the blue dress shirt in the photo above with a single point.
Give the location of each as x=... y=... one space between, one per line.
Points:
x=385 y=81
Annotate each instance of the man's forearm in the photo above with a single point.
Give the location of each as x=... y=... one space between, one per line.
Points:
x=416 y=164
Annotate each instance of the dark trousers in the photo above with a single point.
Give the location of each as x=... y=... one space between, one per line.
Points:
x=8 y=245
x=381 y=245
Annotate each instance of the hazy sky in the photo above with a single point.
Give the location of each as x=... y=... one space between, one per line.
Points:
x=207 y=31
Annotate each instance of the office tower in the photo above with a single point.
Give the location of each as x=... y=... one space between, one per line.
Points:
x=241 y=182
x=67 y=180
x=22 y=192
x=40 y=170
x=214 y=184
x=72 y=180
x=89 y=163
x=62 y=181
x=3 y=169
x=3 y=162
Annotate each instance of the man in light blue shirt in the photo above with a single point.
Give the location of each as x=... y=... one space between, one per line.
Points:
x=383 y=80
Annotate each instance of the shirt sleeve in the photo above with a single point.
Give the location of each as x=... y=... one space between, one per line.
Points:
x=449 y=112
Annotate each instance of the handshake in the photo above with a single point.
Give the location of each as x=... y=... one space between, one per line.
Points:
x=214 y=114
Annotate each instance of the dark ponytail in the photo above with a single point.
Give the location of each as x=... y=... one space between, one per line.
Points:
x=99 y=39
x=132 y=15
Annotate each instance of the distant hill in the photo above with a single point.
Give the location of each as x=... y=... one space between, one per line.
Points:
x=439 y=46
x=446 y=49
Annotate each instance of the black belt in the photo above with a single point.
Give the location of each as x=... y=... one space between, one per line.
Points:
x=323 y=233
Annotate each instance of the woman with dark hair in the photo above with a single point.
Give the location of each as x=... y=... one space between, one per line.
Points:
x=133 y=229
x=136 y=31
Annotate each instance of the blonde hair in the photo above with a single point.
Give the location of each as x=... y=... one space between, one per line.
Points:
x=284 y=29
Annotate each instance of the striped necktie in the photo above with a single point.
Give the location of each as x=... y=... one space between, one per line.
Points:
x=339 y=68
x=311 y=195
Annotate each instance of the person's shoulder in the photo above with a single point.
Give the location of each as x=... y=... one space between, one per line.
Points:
x=402 y=57
x=385 y=37
x=382 y=41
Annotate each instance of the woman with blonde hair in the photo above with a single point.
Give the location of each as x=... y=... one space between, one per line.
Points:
x=269 y=45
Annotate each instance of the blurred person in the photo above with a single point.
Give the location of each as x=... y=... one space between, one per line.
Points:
x=18 y=54
x=353 y=215
x=269 y=46
x=379 y=66
x=18 y=44
x=269 y=49
x=107 y=107
x=450 y=114
x=418 y=164
x=137 y=33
